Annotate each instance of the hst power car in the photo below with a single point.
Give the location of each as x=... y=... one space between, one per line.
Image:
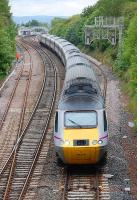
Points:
x=80 y=134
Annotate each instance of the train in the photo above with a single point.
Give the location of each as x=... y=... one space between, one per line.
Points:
x=80 y=125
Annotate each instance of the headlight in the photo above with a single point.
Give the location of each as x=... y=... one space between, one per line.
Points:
x=94 y=142
x=100 y=142
x=61 y=142
x=67 y=142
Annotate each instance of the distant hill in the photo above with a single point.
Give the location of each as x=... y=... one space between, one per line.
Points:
x=43 y=19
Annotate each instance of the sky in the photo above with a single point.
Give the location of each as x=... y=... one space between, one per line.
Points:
x=48 y=7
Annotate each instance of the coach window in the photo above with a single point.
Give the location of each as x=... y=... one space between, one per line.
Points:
x=56 y=122
x=105 y=121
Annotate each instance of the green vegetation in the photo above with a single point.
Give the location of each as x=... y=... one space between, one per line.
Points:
x=124 y=63
x=7 y=38
x=69 y=29
x=35 y=23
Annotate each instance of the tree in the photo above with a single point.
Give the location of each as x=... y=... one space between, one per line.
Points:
x=32 y=23
x=110 y=7
x=58 y=26
x=130 y=44
x=7 y=37
x=87 y=11
x=6 y=51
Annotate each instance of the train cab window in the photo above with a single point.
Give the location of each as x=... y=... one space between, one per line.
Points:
x=105 y=121
x=80 y=119
x=56 y=122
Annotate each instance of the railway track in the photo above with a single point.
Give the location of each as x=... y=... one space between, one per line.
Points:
x=86 y=183
x=26 y=151
x=27 y=74
x=32 y=189
x=13 y=160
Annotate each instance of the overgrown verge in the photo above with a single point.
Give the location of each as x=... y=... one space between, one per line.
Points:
x=7 y=38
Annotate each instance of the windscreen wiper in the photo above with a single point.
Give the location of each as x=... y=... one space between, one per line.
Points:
x=75 y=123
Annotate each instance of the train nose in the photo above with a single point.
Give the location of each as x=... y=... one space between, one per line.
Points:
x=80 y=149
x=81 y=155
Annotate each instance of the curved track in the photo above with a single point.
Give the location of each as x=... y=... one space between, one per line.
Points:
x=22 y=82
x=14 y=180
x=27 y=148
x=33 y=188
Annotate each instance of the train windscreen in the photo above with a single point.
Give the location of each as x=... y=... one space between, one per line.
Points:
x=80 y=119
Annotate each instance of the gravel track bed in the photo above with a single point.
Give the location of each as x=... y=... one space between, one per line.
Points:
x=35 y=84
x=31 y=101
x=34 y=132
x=51 y=184
x=117 y=164
x=7 y=88
x=36 y=127
x=51 y=176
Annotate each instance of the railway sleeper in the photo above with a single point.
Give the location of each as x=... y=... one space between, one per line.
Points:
x=24 y=162
x=21 y=171
x=20 y=167
x=25 y=154
x=29 y=140
x=21 y=174
x=24 y=150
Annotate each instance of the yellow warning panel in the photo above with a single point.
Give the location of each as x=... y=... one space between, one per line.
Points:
x=81 y=134
x=81 y=154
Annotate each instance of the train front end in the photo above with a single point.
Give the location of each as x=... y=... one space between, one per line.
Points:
x=81 y=135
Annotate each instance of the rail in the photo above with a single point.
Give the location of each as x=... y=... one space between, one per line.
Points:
x=20 y=147
x=87 y=183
